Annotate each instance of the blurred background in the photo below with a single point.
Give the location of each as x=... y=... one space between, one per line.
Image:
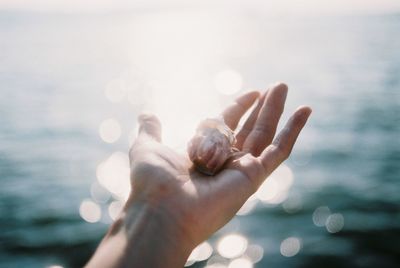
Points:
x=75 y=74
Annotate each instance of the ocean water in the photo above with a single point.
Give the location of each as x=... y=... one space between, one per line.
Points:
x=335 y=202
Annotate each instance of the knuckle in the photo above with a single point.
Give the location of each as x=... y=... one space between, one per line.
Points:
x=144 y=168
x=282 y=151
x=264 y=127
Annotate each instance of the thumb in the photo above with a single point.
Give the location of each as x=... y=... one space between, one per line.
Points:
x=149 y=127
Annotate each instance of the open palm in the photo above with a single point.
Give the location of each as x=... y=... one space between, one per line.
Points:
x=202 y=204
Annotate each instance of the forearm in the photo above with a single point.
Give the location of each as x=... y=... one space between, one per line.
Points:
x=142 y=236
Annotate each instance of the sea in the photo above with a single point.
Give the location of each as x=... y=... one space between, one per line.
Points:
x=72 y=85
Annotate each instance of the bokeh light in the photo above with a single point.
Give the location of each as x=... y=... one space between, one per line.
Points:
x=284 y=175
x=113 y=174
x=334 y=223
x=200 y=253
x=275 y=188
x=267 y=191
x=90 y=211
x=255 y=253
x=290 y=246
x=216 y=265
x=232 y=245
x=320 y=215
x=114 y=209
x=248 y=206
x=217 y=261
x=110 y=130
x=240 y=263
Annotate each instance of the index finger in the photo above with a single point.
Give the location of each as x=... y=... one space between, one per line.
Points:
x=264 y=128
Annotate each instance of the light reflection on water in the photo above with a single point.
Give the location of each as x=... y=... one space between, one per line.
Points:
x=74 y=85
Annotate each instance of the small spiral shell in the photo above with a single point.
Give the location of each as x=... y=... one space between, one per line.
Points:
x=211 y=146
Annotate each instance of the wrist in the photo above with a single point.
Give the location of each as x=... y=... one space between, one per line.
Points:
x=155 y=233
x=145 y=236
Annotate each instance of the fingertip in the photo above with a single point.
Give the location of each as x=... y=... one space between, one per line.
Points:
x=304 y=111
x=254 y=94
x=248 y=98
x=281 y=86
x=278 y=90
x=146 y=117
x=149 y=126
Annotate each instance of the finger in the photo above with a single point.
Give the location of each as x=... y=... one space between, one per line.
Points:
x=265 y=126
x=149 y=127
x=234 y=112
x=282 y=145
x=249 y=124
x=252 y=171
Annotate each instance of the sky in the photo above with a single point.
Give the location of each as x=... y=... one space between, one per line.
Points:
x=272 y=6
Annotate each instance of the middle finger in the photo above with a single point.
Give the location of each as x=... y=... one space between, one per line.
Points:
x=264 y=128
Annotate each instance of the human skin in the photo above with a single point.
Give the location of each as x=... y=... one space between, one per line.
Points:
x=172 y=207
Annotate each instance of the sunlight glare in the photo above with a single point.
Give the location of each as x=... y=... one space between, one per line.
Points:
x=228 y=82
x=179 y=53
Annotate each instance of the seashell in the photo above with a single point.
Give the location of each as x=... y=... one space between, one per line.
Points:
x=211 y=146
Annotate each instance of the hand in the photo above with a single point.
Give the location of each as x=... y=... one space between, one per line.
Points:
x=182 y=207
